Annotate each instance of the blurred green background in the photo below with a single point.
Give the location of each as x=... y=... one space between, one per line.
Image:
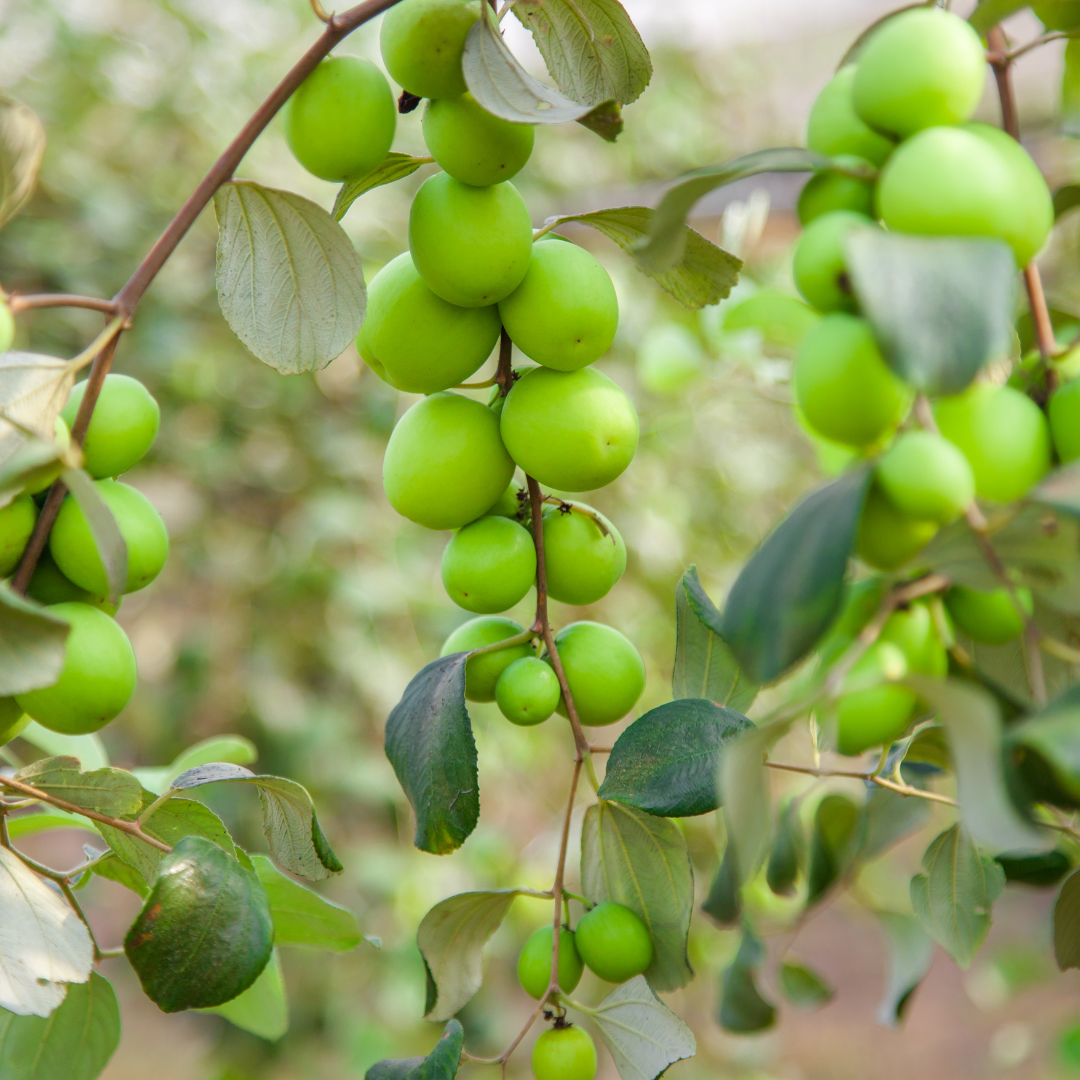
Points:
x=297 y=605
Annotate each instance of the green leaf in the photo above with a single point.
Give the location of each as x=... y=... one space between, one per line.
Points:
x=643 y=1036
x=591 y=48
x=804 y=988
x=29 y=459
x=302 y=917
x=110 y=545
x=890 y=817
x=1069 y=121
x=45 y=820
x=990 y=12
x=665 y=762
x=724 y=902
x=31 y=644
x=704 y=665
x=108 y=791
x=232 y=749
x=115 y=869
x=289 y=281
x=1066 y=198
x=837 y=834
x=393 y=167
x=791 y=590
x=1042 y=869
x=642 y=862
x=786 y=857
x=940 y=307
x=1067 y=925
x=33 y=390
x=204 y=933
x=953 y=899
x=430 y=744
x=451 y=939
x=1049 y=743
x=911 y=953
x=441 y=1064
x=74 y=1043
x=742 y=1008
x=747 y=806
x=262 y=1008
x=22 y=146
x=89 y=749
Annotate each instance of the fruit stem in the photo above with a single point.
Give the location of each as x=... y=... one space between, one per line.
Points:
x=19 y=303
x=504 y=374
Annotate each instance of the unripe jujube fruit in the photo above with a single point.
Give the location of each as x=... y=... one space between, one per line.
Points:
x=782 y=320
x=564 y=1053
x=472 y=145
x=422 y=343
x=528 y=692
x=122 y=428
x=564 y=314
x=669 y=358
x=582 y=561
x=49 y=586
x=17 y=521
x=888 y=537
x=482 y=672
x=572 y=430
x=73 y=548
x=820 y=263
x=509 y=504
x=927 y=477
x=471 y=245
x=613 y=942
x=989 y=617
x=1064 y=410
x=489 y=565
x=422 y=42
x=96 y=681
x=877 y=714
x=912 y=631
x=830 y=190
x=534 y=964
x=445 y=464
x=605 y=672
x=836 y=128
x=340 y=121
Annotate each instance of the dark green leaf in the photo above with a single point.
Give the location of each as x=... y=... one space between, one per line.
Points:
x=394 y=167
x=441 y=1064
x=430 y=744
x=31 y=644
x=791 y=590
x=302 y=917
x=940 y=307
x=742 y=1008
x=1067 y=925
x=1051 y=740
x=1041 y=869
x=110 y=545
x=804 y=988
x=837 y=834
x=911 y=953
x=262 y=1008
x=1065 y=199
x=108 y=791
x=204 y=933
x=724 y=903
x=990 y=12
x=665 y=762
x=787 y=853
x=22 y=146
x=1069 y=122
x=115 y=869
x=890 y=817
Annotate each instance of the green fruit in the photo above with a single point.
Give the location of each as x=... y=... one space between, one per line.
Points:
x=1058 y=14
x=879 y=714
x=422 y=42
x=564 y=1053
x=96 y=681
x=921 y=68
x=122 y=428
x=1064 y=410
x=912 y=631
x=510 y=503
x=7 y=328
x=843 y=386
x=340 y=121
x=489 y=566
x=967 y=181
x=888 y=537
x=72 y=543
x=528 y=693
x=472 y=145
x=471 y=245
x=613 y=942
x=534 y=964
x=445 y=464
x=860 y=603
x=1003 y=434
x=17 y=521
x=49 y=586
x=582 y=561
x=989 y=617
x=605 y=672
x=827 y=191
x=573 y=431
x=482 y=672
x=564 y=314
x=927 y=477
x=669 y=358
x=782 y=320
x=422 y=343
x=820 y=265
x=13 y=720
x=835 y=127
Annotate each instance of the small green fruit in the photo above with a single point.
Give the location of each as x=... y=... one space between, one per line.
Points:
x=489 y=566
x=912 y=631
x=583 y=561
x=564 y=1053
x=122 y=428
x=605 y=672
x=49 y=586
x=836 y=128
x=528 y=692
x=613 y=942
x=988 y=617
x=1064 y=410
x=669 y=359
x=482 y=672
x=534 y=964
x=510 y=504
x=17 y=521
x=472 y=145
x=888 y=538
x=828 y=191
x=820 y=264
x=878 y=714
x=927 y=477
x=422 y=42
x=782 y=320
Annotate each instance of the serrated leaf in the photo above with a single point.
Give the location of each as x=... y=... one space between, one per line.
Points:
x=666 y=761
x=302 y=917
x=33 y=390
x=954 y=897
x=1041 y=870
x=289 y=281
x=724 y=902
x=115 y=869
x=232 y=749
x=791 y=590
x=742 y=1008
x=393 y=167
x=74 y=1043
x=31 y=644
x=1067 y=925
x=22 y=147
x=911 y=953
x=103 y=528
x=786 y=857
x=642 y=862
x=89 y=749
x=835 y=839
x=890 y=817
x=704 y=665
x=108 y=791
x=441 y=1064
x=44 y=945
x=804 y=988
x=429 y=742
x=263 y=1008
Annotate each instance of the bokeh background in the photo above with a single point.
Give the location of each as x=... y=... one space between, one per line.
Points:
x=296 y=604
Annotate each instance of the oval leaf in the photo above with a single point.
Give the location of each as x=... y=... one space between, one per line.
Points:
x=804 y=988
x=441 y=1064
x=393 y=167
x=911 y=953
x=302 y=917
x=22 y=146
x=724 y=902
x=742 y=1008
x=262 y=1008
x=786 y=857
x=836 y=837
x=108 y=791
x=1067 y=925
x=31 y=644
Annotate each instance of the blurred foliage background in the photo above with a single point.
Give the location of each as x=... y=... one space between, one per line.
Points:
x=297 y=605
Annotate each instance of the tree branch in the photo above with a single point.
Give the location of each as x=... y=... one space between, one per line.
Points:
x=32 y=301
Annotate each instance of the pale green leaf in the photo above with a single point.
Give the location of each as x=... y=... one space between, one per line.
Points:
x=108 y=791
x=302 y=917
x=31 y=644
x=262 y=1008
x=393 y=167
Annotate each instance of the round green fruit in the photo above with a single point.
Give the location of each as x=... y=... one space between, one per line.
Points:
x=843 y=386
x=919 y=69
x=72 y=545
x=422 y=42
x=445 y=464
x=836 y=128
x=564 y=1053
x=511 y=504
x=534 y=964
x=605 y=672
x=583 y=561
x=820 y=264
x=828 y=191
x=422 y=343
x=888 y=538
x=1064 y=410
x=783 y=321
x=12 y=720
x=878 y=714
x=96 y=681
x=489 y=566
x=7 y=328
x=564 y=314
x=912 y=631
x=927 y=477
x=17 y=521
x=988 y=617
x=471 y=245
x=613 y=942
x=482 y=672
x=472 y=145
x=122 y=428
x=1003 y=434
x=49 y=586
x=669 y=359
x=861 y=601
x=528 y=692
x=572 y=430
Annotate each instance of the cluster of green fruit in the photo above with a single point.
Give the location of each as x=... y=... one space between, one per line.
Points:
x=98 y=674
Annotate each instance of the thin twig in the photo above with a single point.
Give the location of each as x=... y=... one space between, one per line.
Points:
x=31 y=301
x=866 y=777
x=1038 y=42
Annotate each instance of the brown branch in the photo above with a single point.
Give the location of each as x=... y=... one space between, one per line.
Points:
x=504 y=376
x=870 y=778
x=31 y=301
